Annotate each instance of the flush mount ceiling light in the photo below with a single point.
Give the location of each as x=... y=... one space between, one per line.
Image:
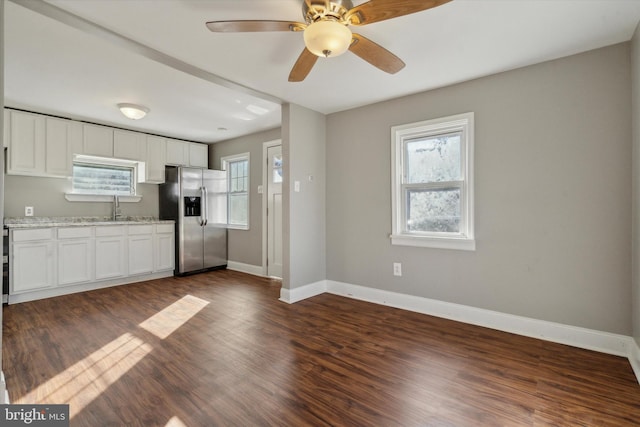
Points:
x=133 y=111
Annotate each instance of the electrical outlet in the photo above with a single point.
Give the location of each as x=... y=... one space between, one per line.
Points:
x=397 y=269
x=28 y=211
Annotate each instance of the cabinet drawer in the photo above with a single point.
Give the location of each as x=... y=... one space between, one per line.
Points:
x=140 y=229
x=32 y=234
x=74 y=232
x=164 y=228
x=115 y=230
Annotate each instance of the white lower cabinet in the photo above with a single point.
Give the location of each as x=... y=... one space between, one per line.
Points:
x=46 y=260
x=32 y=260
x=75 y=255
x=165 y=247
x=110 y=252
x=140 y=249
x=33 y=266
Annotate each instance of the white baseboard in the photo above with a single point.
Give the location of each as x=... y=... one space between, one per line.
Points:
x=634 y=358
x=589 y=339
x=291 y=296
x=256 y=270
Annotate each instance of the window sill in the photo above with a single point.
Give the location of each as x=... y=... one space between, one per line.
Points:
x=462 y=244
x=238 y=227
x=73 y=197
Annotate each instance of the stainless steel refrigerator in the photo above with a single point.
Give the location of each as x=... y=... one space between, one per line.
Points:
x=196 y=199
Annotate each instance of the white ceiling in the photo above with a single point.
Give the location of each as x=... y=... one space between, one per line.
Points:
x=205 y=81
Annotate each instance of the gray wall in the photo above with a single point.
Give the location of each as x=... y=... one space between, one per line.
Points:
x=46 y=195
x=635 y=114
x=245 y=246
x=304 y=220
x=553 y=185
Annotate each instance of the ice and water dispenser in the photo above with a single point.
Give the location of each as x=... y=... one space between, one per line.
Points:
x=192 y=206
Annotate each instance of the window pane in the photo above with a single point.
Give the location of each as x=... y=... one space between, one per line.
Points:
x=433 y=159
x=277 y=175
x=238 y=209
x=433 y=210
x=96 y=179
x=277 y=169
x=277 y=162
x=238 y=196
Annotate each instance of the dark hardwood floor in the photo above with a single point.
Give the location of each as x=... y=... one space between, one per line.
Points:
x=219 y=349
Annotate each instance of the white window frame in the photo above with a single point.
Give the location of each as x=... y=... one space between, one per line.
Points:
x=105 y=161
x=463 y=240
x=224 y=161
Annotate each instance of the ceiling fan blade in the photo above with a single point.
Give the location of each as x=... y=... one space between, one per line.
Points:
x=303 y=66
x=380 y=10
x=375 y=54
x=253 y=26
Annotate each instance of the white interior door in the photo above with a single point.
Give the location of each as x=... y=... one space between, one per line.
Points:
x=274 y=211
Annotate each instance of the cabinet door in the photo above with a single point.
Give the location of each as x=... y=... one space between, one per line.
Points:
x=129 y=145
x=140 y=254
x=177 y=152
x=58 y=154
x=165 y=247
x=155 y=161
x=198 y=155
x=26 y=145
x=110 y=257
x=32 y=266
x=97 y=140
x=75 y=261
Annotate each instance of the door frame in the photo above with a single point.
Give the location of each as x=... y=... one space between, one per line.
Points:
x=265 y=182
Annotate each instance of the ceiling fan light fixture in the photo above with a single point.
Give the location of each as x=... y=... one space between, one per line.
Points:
x=133 y=111
x=327 y=38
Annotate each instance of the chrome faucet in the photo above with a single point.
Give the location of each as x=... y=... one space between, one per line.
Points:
x=117 y=213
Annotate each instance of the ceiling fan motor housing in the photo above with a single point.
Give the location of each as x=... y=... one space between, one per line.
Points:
x=318 y=10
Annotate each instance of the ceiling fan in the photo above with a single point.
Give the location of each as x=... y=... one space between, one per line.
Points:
x=327 y=34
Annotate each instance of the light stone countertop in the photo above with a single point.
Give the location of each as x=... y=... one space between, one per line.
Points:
x=79 y=221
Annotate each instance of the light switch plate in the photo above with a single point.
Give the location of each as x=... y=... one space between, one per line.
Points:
x=28 y=211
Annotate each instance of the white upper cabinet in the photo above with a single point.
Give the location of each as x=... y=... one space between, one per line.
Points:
x=41 y=145
x=155 y=160
x=27 y=144
x=184 y=153
x=198 y=155
x=129 y=145
x=61 y=137
x=177 y=152
x=98 y=140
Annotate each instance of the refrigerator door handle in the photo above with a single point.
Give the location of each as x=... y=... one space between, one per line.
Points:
x=205 y=203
